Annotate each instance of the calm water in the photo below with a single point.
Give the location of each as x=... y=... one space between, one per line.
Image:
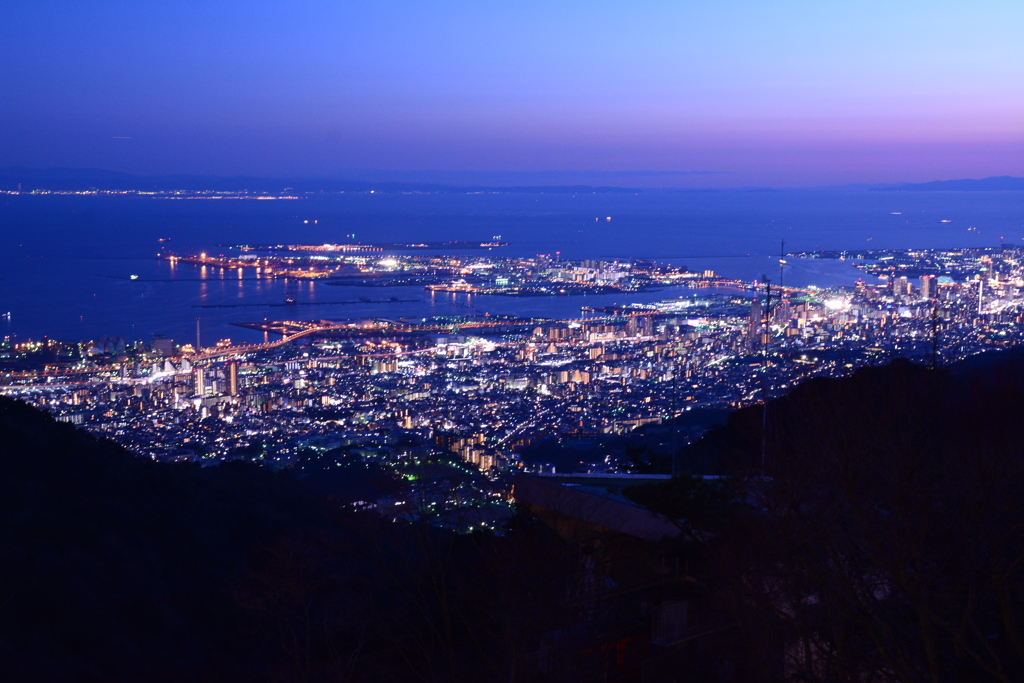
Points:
x=62 y=258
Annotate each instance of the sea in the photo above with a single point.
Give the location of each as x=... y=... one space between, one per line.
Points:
x=67 y=261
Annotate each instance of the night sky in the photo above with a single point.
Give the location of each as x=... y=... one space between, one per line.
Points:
x=725 y=93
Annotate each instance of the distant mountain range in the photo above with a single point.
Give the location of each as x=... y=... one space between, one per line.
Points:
x=80 y=179
x=1001 y=183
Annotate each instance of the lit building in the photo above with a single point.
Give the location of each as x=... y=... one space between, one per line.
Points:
x=927 y=286
x=199 y=381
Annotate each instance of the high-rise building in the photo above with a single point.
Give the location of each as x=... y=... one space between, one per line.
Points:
x=899 y=287
x=754 y=326
x=233 y=379
x=928 y=283
x=199 y=382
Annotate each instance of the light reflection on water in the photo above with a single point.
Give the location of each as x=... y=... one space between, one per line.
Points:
x=166 y=299
x=65 y=262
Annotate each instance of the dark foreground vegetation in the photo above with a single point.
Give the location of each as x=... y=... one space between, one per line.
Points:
x=886 y=540
x=879 y=538
x=114 y=568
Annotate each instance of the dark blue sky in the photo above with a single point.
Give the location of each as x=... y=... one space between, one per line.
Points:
x=777 y=93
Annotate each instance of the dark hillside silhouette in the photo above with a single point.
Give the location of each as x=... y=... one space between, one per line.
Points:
x=113 y=567
x=885 y=543
x=887 y=540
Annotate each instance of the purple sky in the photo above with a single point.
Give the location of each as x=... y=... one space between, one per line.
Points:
x=760 y=92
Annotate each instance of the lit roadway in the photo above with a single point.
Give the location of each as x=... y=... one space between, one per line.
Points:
x=523 y=426
x=418 y=329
